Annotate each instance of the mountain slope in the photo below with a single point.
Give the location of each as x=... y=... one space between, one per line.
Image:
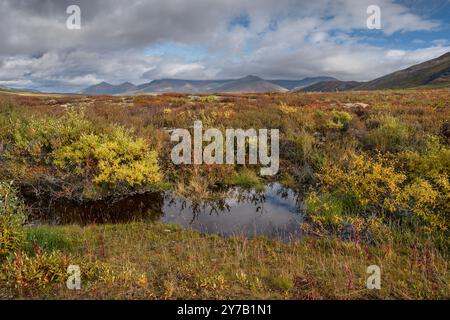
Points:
x=298 y=84
x=331 y=86
x=430 y=73
x=180 y=86
x=107 y=88
x=250 y=84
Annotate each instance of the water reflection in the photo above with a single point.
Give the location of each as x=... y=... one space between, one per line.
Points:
x=275 y=212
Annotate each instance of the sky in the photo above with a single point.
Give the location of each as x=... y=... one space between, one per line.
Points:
x=139 y=41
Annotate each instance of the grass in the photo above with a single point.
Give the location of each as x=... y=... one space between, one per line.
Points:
x=158 y=261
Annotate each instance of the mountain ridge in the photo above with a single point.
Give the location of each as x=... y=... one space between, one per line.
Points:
x=248 y=83
x=431 y=73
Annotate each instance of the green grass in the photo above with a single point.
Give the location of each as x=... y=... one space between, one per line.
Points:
x=246 y=178
x=48 y=239
x=159 y=261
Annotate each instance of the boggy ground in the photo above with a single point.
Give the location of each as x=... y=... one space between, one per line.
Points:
x=372 y=167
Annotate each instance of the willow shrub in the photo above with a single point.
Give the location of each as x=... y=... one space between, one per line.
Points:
x=75 y=150
x=111 y=158
x=378 y=185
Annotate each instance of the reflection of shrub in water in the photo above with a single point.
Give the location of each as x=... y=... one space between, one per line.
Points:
x=147 y=206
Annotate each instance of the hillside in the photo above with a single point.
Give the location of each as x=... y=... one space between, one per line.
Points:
x=434 y=72
x=179 y=85
x=298 y=84
x=250 y=84
x=331 y=86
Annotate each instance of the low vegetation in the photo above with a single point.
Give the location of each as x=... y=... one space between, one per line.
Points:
x=372 y=168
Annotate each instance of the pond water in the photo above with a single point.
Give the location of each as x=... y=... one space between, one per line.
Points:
x=275 y=212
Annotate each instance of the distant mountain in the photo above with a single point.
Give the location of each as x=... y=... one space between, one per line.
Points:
x=19 y=90
x=107 y=88
x=298 y=84
x=331 y=86
x=180 y=86
x=434 y=72
x=250 y=84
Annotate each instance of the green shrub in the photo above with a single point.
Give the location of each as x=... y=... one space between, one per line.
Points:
x=391 y=135
x=325 y=210
x=12 y=218
x=37 y=138
x=304 y=145
x=339 y=120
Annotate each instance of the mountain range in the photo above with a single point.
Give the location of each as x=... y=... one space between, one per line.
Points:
x=246 y=84
x=430 y=74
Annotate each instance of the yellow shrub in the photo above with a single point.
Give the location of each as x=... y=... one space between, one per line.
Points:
x=339 y=120
x=112 y=158
x=285 y=109
x=371 y=182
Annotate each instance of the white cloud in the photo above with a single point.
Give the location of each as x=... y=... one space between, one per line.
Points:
x=285 y=39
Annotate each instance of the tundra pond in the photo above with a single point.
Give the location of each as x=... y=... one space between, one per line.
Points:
x=273 y=212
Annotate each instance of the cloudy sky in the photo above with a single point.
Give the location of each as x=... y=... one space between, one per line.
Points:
x=142 y=40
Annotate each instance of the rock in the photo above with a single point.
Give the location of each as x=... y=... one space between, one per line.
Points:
x=355 y=105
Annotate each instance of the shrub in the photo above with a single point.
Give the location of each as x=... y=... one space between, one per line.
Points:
x=325 y=210
x=391 y=135
x=432 y=162
x=37 y=138
x=331 y=210
x=111 y=158
x=339 y=120
x=285 y=109
x=25 y=272
x=373 y=182
x=12 y=217
x=366 y=182
x=429 y=204
x=304 y=145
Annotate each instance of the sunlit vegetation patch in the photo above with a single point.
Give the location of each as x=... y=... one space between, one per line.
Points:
x=69 y=156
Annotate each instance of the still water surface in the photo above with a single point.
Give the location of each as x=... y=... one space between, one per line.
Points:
x=275 y=212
